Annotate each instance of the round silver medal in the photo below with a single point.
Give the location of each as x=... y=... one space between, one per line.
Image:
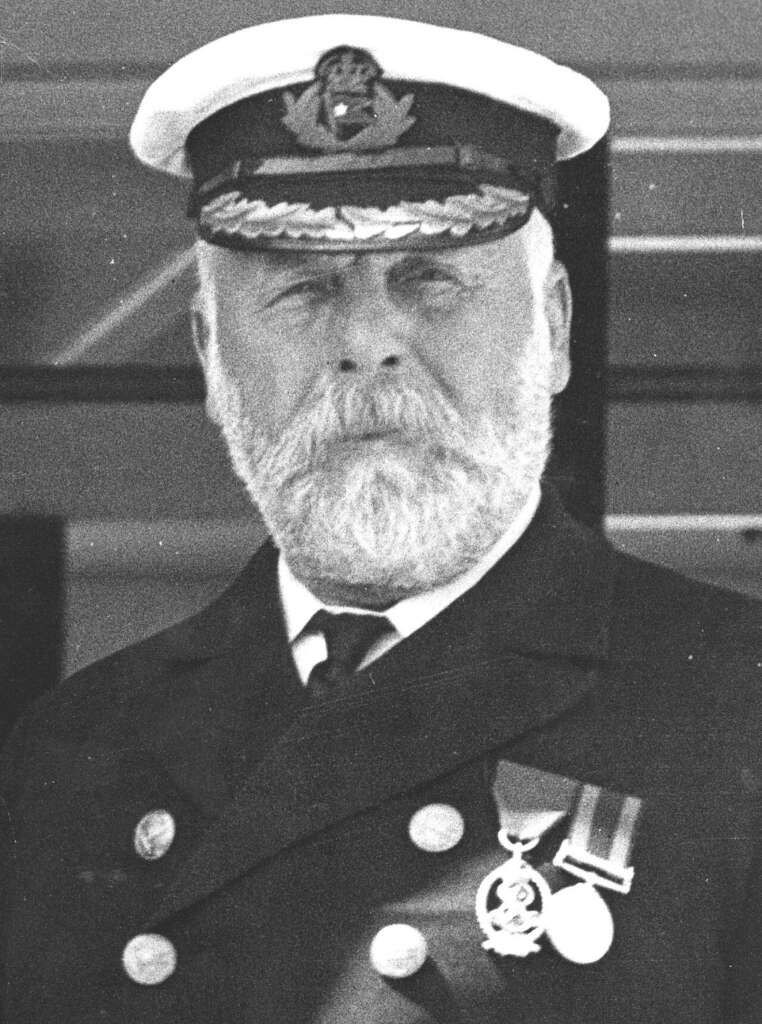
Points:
x=579 y=924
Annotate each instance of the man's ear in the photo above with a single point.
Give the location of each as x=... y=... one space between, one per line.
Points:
x=201 y=327
x=558 y=310
x=202 y=330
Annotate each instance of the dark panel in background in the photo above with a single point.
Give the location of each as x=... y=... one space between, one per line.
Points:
x=700 y=309
x=82 y=224
x=577 y=464
x=31 y=611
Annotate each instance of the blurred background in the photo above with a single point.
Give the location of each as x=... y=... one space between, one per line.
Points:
x=118 y=512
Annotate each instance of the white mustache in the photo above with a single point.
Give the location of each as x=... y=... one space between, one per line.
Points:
x=337 y=412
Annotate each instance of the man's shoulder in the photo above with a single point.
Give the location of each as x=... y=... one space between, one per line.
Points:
x=698 y=640
x=655 y=592
x=637 y=609
x=124 y=684
x=117 y=686
x=134 y=668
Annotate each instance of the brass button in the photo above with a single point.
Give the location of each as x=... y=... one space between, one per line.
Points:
x=149 y=959
x=154 y=834
x=436 y=828
x=398 y=951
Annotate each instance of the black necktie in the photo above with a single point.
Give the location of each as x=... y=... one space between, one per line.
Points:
x=348 y=639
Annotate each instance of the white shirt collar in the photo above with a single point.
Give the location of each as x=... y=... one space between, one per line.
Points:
x=300 y=604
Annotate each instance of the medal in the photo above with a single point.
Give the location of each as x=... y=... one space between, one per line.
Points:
x=515 y=905
x=578 y=923
x=511 y=901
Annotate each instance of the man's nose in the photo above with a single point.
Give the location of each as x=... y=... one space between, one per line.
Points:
x=368 y=333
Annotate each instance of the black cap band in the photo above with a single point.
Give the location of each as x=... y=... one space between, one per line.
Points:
x=457 y=139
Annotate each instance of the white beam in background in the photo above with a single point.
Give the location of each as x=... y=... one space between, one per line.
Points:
x=638 y=524
x=686 y=145
x=161 y=547
x=726 y=550
x=625 y=244
x=128 y=305
x=213 y=547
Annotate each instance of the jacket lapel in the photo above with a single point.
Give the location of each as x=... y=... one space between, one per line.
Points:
x=518 y=650
x=229 y=689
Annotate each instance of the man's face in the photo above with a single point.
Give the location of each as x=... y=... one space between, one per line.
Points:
x=389 y=412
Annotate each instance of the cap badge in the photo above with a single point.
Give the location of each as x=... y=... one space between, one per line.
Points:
x=347 y=108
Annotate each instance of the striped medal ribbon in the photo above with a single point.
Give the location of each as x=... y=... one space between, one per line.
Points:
x=517 y=904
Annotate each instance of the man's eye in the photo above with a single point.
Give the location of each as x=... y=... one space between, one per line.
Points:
x=428 y=275
x=307 y=290
x=428 y=278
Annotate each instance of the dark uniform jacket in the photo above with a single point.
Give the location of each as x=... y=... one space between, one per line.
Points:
x=292 y=847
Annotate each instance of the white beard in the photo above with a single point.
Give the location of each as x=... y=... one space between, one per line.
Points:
x=383 y=520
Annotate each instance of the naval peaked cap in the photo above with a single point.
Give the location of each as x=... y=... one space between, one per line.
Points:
x=349 y=131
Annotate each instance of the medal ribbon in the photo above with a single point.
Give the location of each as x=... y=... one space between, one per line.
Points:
x=599 y=841
x=529 y=801
x=602 y=826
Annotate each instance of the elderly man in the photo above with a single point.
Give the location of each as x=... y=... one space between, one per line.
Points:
x=439 y=754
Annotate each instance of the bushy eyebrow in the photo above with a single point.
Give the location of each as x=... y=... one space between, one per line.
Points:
x=454 y=263
x=412 y=260
x=289 y=260
x=288 y=263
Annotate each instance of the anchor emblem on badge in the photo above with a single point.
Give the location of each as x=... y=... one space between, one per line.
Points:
x=511 y=901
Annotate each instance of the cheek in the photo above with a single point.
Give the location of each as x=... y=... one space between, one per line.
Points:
x=478 y=357
x=267 y=361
